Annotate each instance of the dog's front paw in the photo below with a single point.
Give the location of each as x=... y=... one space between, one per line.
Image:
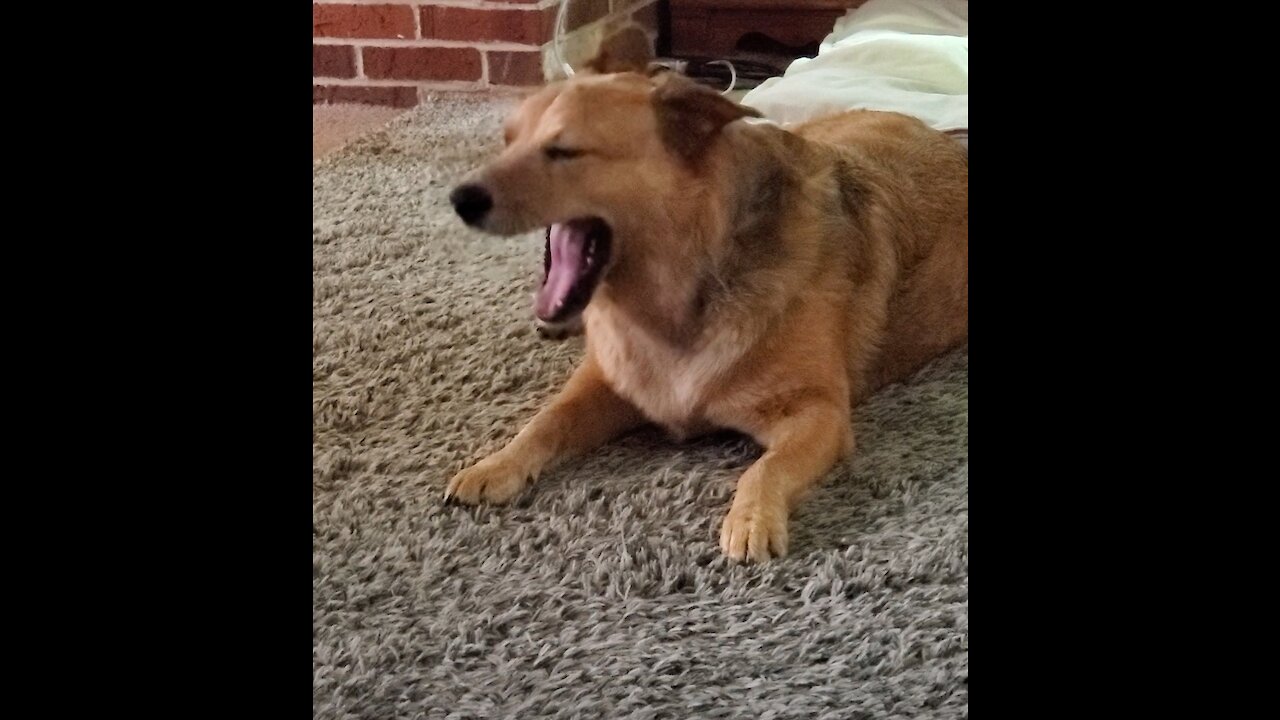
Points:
x=754 y=532
x=491 y=480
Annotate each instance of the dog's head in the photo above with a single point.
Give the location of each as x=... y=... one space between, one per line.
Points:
x=595 y=159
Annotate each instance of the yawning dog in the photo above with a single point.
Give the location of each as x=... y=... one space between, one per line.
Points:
x=728 y=274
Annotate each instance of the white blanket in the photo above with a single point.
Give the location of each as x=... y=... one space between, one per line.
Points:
x=908 y=56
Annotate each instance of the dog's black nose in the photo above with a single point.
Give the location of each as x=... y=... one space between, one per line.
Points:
x=472 y=202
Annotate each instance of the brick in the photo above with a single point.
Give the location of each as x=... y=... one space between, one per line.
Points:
x=582 y=12
x=515 y=68
x=528 y=27
x=428 y=63
x=647 y=18
x=362 y=21
x=335 y=61
x=402 y=96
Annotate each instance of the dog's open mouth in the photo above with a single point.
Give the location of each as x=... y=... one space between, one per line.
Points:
x=577 y=253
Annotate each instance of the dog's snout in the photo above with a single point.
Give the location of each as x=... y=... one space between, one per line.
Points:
x=472 y=202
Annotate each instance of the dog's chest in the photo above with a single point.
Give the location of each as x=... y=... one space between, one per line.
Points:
x=666 y=383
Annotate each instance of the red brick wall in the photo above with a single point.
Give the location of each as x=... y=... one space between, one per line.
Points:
x=392 y=52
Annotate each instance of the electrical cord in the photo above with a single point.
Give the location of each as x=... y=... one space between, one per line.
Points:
x=561 y=15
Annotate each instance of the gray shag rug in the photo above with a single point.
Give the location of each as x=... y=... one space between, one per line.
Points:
x=601 y=593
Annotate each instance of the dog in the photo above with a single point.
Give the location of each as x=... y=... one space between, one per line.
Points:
x=728 y=274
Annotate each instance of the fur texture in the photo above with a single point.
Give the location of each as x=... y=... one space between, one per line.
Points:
x=761 y=280
x=601 y=592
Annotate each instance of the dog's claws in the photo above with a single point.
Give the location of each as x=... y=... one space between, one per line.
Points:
x=489 y=481
x=750 y=535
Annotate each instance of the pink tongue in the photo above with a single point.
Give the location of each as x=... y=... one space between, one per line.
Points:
x=567 y=246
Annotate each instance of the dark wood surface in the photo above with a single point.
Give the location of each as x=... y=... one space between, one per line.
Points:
x=722 y=28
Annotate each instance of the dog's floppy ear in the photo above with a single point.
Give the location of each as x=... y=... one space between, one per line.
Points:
x=690 y=114
x=627 y=50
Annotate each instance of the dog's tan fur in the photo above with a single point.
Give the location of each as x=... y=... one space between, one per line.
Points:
x=762 y=280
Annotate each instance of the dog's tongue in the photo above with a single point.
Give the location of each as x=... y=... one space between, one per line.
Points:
x=568 y=243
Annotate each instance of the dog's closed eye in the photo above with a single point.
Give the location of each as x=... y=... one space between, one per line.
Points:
x=555 y=152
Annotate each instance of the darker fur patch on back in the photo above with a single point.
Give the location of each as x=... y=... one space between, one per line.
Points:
x=756 y=230
x=854 y=193
x=759 y=217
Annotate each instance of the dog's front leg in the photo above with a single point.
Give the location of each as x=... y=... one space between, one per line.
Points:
x=586 y=414
x=800 y=447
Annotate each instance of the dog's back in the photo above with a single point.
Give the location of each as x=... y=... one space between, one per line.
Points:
x=917 y=180
x=730 y=275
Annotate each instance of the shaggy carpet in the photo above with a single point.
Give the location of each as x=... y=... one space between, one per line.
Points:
x=601 y=593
